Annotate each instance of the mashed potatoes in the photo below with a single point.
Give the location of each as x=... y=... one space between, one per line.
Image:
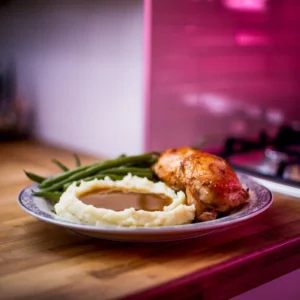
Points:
x=71 y=208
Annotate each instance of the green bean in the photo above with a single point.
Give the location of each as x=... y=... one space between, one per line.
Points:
x=126 y=170
x=114 y=176
x=52 y=180
x=142 y=175
x=111 y=176
x=154 y=161
x=98 y=176
x=102 y=176
x=57 y=182
x=60 y=165
x=55 y=196
x=77 y=160
x=34 y=177
x=143 y=164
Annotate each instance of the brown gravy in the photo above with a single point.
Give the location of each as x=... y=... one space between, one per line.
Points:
x=118 y=200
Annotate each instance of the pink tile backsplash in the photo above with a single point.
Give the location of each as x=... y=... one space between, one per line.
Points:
x=217 y=71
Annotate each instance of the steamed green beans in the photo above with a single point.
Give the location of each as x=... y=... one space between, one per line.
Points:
x=77 y=160
x=60 y=165
x=112 y=176
x=53 y=187
x=83 y=176
x=131 y=170
x=34 y=177
x=55 y=196
x=57 y=178
x=99 y=176
x=57 y=182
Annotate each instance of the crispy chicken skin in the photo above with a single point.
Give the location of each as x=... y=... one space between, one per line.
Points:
x=208 y=180
x=168 y=167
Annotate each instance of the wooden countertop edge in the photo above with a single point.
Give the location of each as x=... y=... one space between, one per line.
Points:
x=252 y=270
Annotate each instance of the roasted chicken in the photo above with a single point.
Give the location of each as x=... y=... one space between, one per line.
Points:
x=208 y=181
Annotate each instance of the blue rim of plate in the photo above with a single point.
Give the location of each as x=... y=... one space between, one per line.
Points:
x=263 y=201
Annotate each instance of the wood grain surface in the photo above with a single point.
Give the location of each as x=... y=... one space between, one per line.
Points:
x=42 y=261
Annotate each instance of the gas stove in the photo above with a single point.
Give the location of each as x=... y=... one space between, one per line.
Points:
x=272 y=162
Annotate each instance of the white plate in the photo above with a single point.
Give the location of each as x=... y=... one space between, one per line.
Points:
x=260 y=199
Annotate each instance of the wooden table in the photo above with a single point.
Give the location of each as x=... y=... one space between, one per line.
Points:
x=42 y=261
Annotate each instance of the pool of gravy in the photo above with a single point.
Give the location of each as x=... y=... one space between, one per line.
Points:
x=119 y=200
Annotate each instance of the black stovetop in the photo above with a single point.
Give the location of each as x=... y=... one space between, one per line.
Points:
x=276 y=159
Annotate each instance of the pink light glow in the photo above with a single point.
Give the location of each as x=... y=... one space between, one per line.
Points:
x=248 y=38
x=246 y=5
x=216 y=104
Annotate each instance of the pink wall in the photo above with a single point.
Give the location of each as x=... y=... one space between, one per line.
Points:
x=217 y=71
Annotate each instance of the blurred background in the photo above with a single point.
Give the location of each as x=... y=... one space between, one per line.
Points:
x=79 y=69
x=108 y=77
